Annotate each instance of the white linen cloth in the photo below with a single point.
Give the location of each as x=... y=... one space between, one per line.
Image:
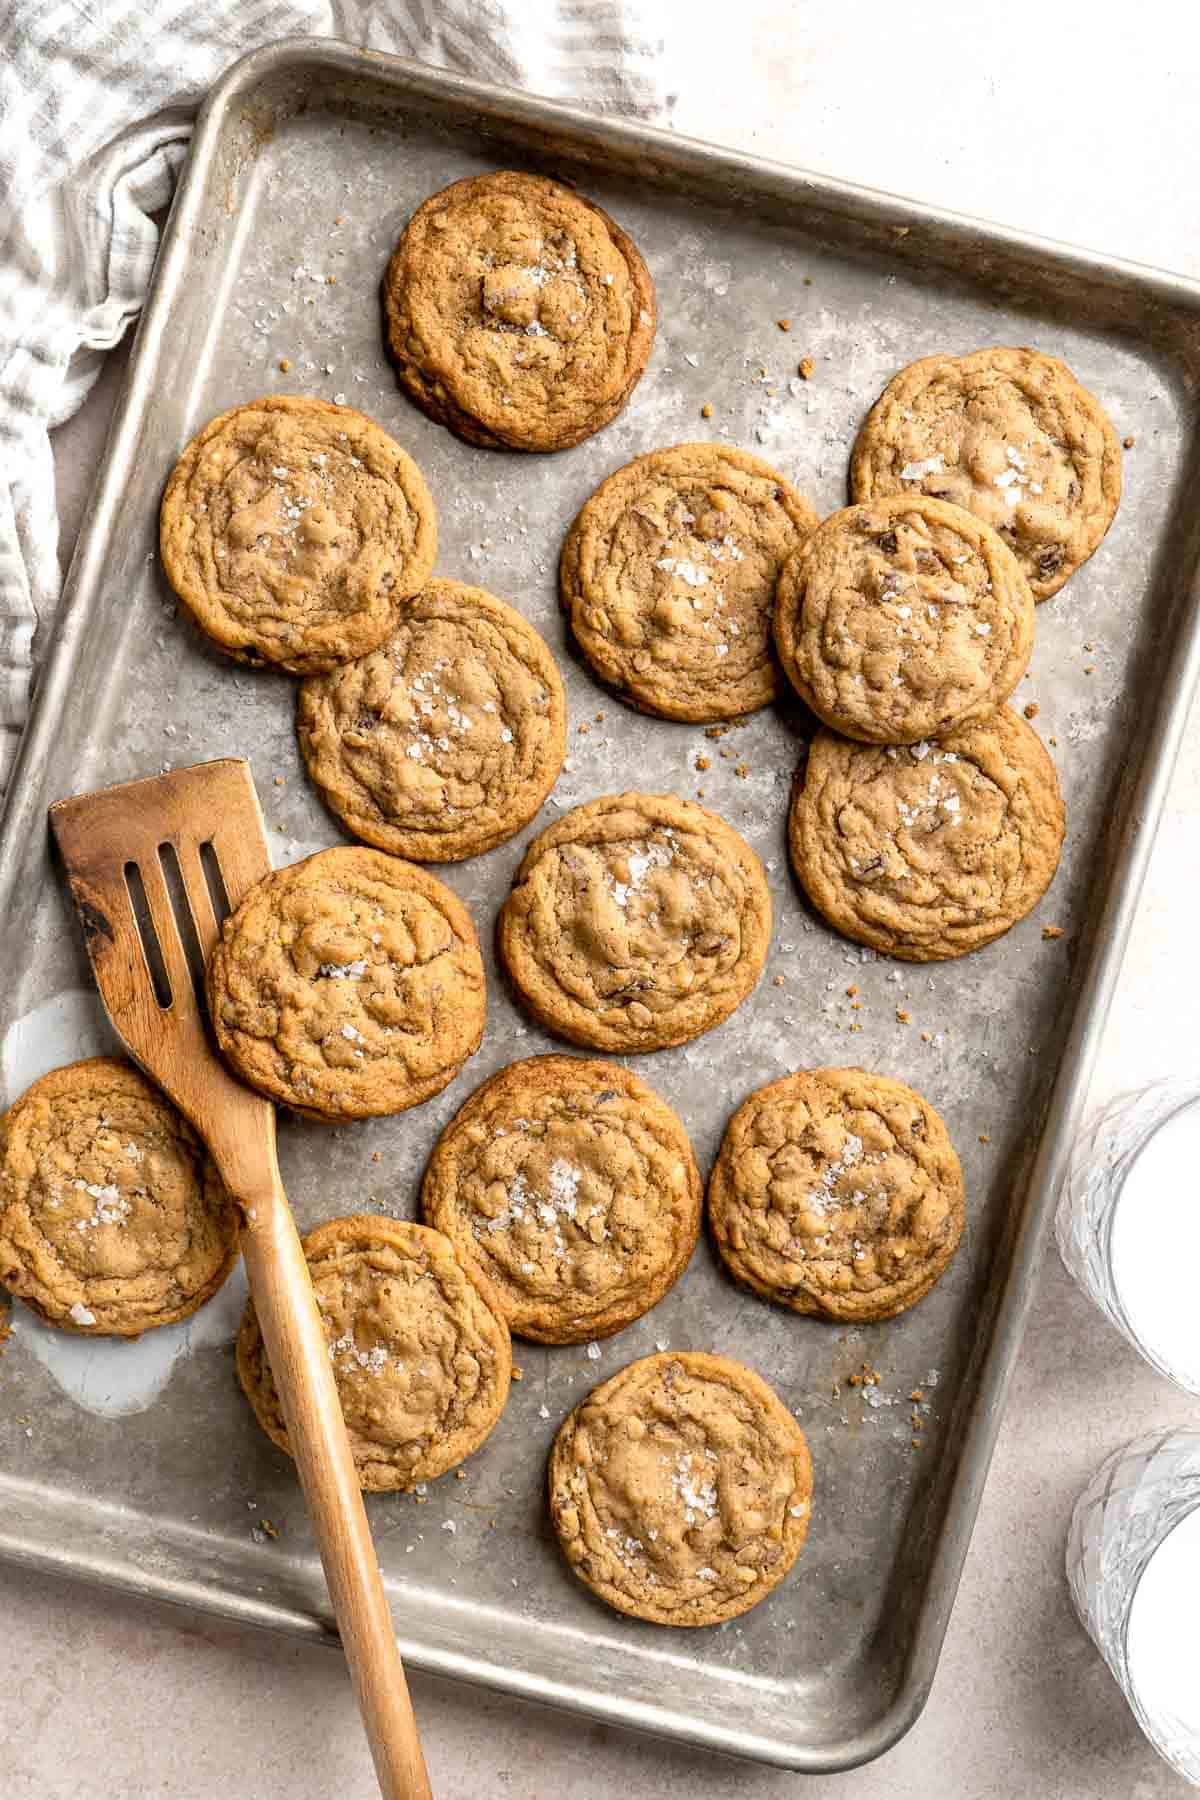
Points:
x=96 y=105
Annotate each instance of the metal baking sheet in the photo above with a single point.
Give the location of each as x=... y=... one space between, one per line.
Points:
x=140 y=1465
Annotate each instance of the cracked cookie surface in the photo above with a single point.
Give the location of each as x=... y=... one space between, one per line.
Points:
x=902 y=619
x=668 y=578
x=573 y=1189
x=421 y=1360
x=518 y=313
x=837 y=1192
x=446 y=739
x=113 y=1218
x=293 y=530
x=681 y=1489
x=925 y=851
x=636 y=922
x=1010 y=435
x=347 y=985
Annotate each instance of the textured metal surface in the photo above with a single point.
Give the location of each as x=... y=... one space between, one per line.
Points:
x=162 y=1498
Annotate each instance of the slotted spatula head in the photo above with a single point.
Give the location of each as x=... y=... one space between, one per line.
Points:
x=153 y=865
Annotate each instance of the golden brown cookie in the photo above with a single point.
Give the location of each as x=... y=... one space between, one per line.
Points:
x=518 y=313
x=448 y=737
x=422 y=1360
x=837 y=1192
x=292 y=530
x=112 y=1216
x=347 y=985
x=572 y=1188
x=636 y=922
x=928 y=850
x=1011 y=436
x=668 y=578
x=903 y=619
x=681 y=1489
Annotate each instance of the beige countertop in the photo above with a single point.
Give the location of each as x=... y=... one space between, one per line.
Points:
x=1078 y=123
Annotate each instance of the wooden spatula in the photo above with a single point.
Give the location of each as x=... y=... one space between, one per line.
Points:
x=163 y=849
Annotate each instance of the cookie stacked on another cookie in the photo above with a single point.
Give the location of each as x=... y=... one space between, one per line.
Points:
x=446 y=739
x=292 y=530
x=902 y=619
x=926 y=817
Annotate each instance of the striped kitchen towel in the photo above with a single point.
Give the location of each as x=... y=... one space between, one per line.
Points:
x=96 y=104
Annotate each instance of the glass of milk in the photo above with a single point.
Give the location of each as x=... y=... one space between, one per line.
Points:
x=1128 y=1222
x=1133 y=1564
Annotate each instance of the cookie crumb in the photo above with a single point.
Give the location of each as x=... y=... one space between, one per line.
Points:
x=984 y=1138
x=1031 y=709
x=331 y=281
x=902 y=1016
x=927 y=1037
x=285 y=363
x=279 y=781
x=1129 y=442
x=808 y=281
x=704 y=762
x=518 y=1373
x=916 y=1394
x=777 y=981
x=460 y=1474
x=376 y=1156
x=715 y=731
x=851 y=991
x=706 y=411
x=1052 y=931
x=599 y=718
x=854 y=1382
x=784 y=324
x=742 y=770
x=805 y=368
x=1053 y=742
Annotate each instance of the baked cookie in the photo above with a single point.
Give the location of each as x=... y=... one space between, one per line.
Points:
x=636 y=922
x=347 y=985
x=837 y=1192
x=518 y=313
x=933 y=849
x=668 y=578
x=681 y=1489
x=448 y=737
x=292 y=530
x=421 y=1359
x=902 y=619
x=572 y=1188
x=1011 y=436
x=113 y=1218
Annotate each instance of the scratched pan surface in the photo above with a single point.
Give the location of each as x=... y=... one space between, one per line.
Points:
x=140 y=1465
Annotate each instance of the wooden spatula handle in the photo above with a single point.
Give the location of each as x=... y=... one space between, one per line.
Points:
x=299 y=1356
